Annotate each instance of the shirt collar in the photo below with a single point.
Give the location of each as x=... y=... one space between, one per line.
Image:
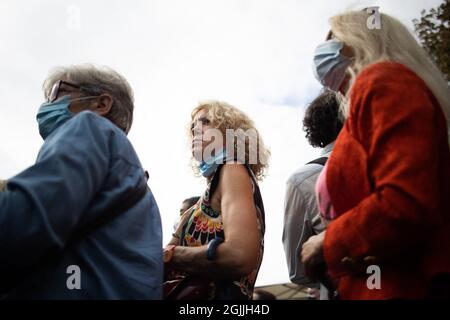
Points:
x=327 y=149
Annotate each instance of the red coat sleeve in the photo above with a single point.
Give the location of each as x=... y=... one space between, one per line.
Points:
x=398 y=122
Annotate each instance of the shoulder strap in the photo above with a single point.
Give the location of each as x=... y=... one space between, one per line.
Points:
x=127 y=201
x=257 y=198
x=215 y=180
x=322 y=161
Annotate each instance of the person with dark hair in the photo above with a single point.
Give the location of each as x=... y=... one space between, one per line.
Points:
x=187 y=203
x=322 y=124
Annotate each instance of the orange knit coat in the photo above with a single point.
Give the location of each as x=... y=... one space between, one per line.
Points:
x=389 y=181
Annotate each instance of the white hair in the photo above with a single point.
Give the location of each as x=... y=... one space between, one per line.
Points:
x=393 y=42
x=95 y=80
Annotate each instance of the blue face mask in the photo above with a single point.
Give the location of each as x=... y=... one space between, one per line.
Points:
x=52 y=114
x=208 y=167
x=329 y=65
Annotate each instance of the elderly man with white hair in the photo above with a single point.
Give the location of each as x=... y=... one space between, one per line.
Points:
x=81 y=223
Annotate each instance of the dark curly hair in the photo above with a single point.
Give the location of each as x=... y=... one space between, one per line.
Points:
x=323 y=120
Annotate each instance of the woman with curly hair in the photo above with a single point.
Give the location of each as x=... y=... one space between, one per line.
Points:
x=220 y=239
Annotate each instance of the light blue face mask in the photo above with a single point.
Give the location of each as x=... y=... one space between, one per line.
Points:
x=329 y=64
x=208 y=167
x=53 y=114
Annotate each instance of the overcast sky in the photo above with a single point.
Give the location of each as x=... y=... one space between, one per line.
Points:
x=254 y=54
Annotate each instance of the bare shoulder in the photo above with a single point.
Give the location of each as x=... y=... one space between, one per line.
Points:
x=235 y=177
x=234 y=182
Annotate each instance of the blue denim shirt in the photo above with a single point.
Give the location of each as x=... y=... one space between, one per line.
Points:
x=81 y=169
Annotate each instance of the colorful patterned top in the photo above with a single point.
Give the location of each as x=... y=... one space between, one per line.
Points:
x=205 y=224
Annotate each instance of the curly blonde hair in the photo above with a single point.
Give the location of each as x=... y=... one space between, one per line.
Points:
x=223 y=117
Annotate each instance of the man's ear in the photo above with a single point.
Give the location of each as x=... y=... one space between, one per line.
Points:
x=103 y=105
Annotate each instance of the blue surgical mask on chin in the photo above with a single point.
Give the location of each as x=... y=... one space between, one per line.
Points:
x=52 y=114
x=329 y=64
x=209 y=166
